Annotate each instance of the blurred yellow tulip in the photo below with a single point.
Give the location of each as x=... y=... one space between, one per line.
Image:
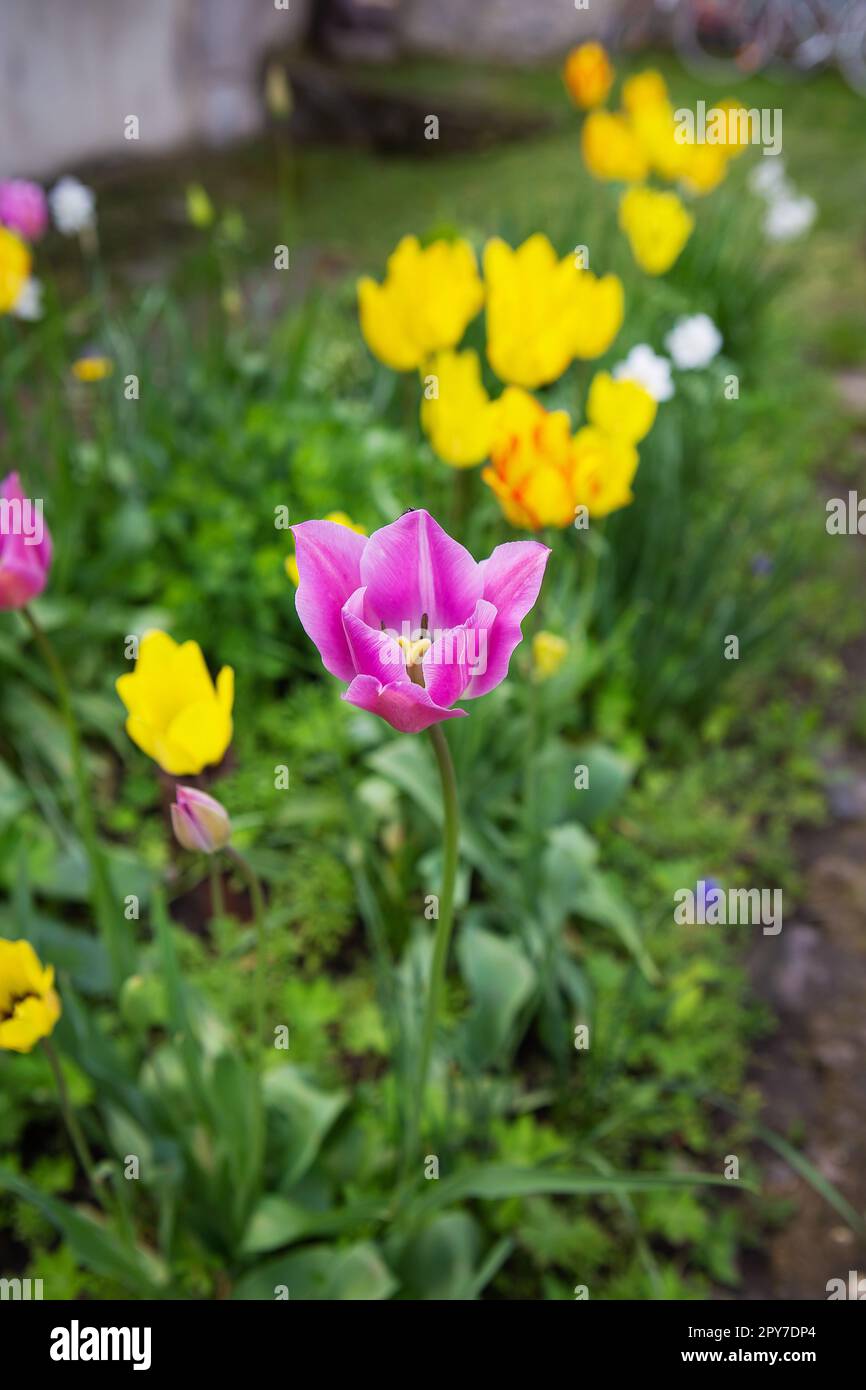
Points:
x=622 y=409
x=657 y=226
x=428 y=297
x=457 y=419
x=588 y=75
x=611 y=149
x=531 y=462
x=603 y=472
x=548 y=654
x=542 y=312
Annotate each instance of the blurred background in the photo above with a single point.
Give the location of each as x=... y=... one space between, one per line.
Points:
x=213 y=131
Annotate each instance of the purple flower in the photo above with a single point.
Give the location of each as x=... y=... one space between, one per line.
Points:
x=408 y=618
x=23 y=208
x=706 y=887
x=25 y=546
x=762 y=564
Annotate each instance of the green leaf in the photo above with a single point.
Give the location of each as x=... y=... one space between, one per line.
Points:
x=600 y=900
x=501 y=980
x=322 y=1273
x=609 y=774
x=495 y=1182
x=440 y=1262
x=139 y=1270
x=303 y=1115
x=279 y=1221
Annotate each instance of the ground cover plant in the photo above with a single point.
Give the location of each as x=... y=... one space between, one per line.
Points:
x=371 y=694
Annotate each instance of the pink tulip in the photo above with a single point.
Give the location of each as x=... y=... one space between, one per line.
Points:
x=408 y=618
x=23 y=208
x=199 y=821
x=25 y=546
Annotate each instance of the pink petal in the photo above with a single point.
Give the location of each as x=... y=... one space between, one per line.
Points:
x=412 y=568
x=457 y=655
x=374 y=653
x=512 y=579
x=329 y=570
x=23 y=566
x=406 y=707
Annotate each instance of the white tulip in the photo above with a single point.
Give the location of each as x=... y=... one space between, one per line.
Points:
x=73 y=205
x=693 y=342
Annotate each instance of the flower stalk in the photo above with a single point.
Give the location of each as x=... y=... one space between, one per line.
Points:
x=444 y=927
x=257 y=898
x=100 y=883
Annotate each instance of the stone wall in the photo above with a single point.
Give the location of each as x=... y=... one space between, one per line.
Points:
x=73 y=70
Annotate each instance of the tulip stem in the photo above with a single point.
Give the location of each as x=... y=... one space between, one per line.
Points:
x=444 y=925
x=70 y=1119
x=257 y=898
x=100 y=883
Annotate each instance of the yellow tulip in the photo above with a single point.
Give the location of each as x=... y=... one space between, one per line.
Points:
x=548 y=654
x=339 y=519
x=657 y=226
x=176 y=714
x=531 y=462
x=15 y=262
x=622 y=409
x=735 y=146
x=655 y=131
x=92 y=366
x=457 y=420
x=600 y=311
x=704 y=167
x=603 y=472
x=542 y=312
x=611 y=149
x=428 y=297
x=647 y=88
x=588 y=75
x=29 y=1006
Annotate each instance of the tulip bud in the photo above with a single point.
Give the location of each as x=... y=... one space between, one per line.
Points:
x=25 y=546
x=200 y=823
x=548 y=654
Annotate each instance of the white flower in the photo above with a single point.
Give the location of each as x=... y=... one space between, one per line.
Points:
x=693 y=342
x=73 y=205
x=649 y=370
x=789 y=217
x=768 y=177
x=28 y=305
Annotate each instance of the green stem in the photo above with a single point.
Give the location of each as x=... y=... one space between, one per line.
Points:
x=444 y=925
x=70 y=1119
x=217 y=901
x=100 y=883
x=251 y=878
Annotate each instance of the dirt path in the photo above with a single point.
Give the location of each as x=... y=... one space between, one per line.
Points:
x=811 y=1071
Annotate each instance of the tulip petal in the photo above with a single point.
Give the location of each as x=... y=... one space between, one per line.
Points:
x=406 y=707
x=24 y=565
x=458 y=656
x=329 y=570
x=374 y=653
x=413 y=568
x=512 y=578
